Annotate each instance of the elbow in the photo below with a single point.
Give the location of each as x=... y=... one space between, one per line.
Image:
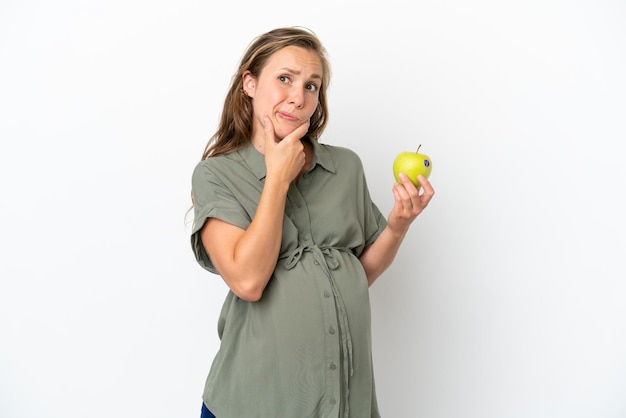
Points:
x=251 y=291
x=248 y=285
x=372 y=272
x=371 y=278
x=249 y=296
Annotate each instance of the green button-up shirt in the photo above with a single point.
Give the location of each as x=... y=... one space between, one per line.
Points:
x=304 y=349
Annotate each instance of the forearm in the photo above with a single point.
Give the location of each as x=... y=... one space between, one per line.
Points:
x=380 y=254
x=258 y=249
x=246 y=258
x=409 y=203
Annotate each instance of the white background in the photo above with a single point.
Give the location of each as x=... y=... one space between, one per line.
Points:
x=507 y=299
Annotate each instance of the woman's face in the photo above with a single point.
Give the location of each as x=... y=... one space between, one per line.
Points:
x=286 y=91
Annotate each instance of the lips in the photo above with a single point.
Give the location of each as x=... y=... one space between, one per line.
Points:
x=287 y=116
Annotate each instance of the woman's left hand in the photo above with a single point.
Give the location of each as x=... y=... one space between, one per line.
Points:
x=410 y=201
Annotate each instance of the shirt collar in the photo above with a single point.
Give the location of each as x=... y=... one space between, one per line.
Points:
x=256 y=161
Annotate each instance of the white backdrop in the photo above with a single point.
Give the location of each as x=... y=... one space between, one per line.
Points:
x=507 y=298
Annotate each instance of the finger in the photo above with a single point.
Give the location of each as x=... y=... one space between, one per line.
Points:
x=429 y=191
x=412 y=201
x=268 y=130
x=402 y=198
x=397 y=194
x=401 y=215
x=411 y=189
x=423 y=181
x=406 y=181
x=299 y=132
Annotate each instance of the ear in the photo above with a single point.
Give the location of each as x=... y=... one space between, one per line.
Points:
x=249 y=83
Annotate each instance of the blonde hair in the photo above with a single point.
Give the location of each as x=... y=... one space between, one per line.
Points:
x=235 y=127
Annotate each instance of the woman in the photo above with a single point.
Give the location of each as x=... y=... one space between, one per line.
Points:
x=289 y=225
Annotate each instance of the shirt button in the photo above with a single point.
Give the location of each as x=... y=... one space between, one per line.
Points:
x=306 y=237
x=333 y=401
x=331 y=330
x=326 y=292
x=316 y=263
x=333 y=366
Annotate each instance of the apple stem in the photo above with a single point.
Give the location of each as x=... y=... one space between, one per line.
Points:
x=418 y=148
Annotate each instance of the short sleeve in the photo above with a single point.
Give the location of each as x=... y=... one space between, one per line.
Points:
x=212 y=198
x=377 y=223
x=374 y=222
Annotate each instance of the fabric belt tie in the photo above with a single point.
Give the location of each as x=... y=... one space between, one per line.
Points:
x=329 y=257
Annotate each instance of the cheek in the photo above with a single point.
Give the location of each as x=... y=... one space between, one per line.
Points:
x=264 y=102
x=312 y=106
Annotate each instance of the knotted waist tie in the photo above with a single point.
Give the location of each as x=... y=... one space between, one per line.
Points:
x=328 y=258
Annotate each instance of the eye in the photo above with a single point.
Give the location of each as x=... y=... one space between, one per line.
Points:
x=312 y=87
x=284 y=79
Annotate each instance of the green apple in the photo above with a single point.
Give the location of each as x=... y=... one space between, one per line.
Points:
x=412 y=164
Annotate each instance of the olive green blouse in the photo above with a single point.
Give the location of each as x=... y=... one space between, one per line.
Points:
x=304 y=349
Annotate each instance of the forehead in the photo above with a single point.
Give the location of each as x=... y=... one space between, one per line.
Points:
x=296 y=59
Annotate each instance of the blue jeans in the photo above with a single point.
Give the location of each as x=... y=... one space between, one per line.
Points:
x=205 y=412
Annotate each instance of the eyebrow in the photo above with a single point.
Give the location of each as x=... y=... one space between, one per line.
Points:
x=292 y=71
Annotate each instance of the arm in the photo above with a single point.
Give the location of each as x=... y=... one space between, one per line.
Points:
x=409 y=203
x=246 y=258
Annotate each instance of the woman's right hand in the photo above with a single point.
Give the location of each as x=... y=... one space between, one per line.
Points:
x=284 y=159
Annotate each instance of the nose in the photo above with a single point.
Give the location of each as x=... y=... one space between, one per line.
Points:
x=297 y=97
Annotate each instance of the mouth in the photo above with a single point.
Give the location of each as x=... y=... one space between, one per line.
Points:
x=287 y=116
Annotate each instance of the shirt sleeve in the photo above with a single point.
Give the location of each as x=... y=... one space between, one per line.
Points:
x=377 y=224
x=373 y=220
x=212 y=198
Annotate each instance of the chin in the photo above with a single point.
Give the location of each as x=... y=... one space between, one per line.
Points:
x=281 y=135
x=284 y=128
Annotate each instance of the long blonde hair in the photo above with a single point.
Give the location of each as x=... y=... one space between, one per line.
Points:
x=235 y=126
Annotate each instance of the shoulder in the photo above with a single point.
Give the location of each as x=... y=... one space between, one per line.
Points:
x=220 y=160
x=339 y=158
x=339 y=151
x=219 y=165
